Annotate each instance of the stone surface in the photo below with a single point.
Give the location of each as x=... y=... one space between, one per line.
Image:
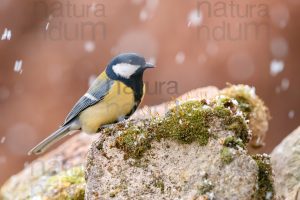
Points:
x=135 y=160
x=176 y=158
x=286 y=165
x=30 y=183
x=170 y=171
x=64 y=165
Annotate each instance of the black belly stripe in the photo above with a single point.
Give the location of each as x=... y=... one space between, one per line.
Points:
x=135 y=83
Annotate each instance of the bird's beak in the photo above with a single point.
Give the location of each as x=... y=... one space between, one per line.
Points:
x=149 y=65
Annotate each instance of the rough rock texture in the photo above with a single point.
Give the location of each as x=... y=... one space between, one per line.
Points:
x=250 y=104
x=198 y=150
x=286 y=165
x=54 y=176
x=30 y=183
x=170 y=171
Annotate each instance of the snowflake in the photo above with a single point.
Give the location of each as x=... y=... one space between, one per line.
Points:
x=276 y=67
x=18 y=66
x=6 y=34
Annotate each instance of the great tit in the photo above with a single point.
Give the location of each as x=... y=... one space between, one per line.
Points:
x=112 y=97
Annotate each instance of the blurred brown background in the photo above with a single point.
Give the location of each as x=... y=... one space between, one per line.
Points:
x=51 y=49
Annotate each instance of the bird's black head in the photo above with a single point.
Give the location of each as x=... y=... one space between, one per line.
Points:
x=127 y=66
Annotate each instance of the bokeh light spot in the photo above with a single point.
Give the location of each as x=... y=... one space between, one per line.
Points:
x=276 y=66
x=180 y=57
x=279 y=47
x=195 y=18
x=280 y=15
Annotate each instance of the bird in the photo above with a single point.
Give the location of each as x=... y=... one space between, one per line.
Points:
x=113 y=97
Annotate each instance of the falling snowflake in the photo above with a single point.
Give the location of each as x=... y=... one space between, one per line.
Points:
x=276 y=67
x=93 y=7
x=279 y=47
x=279 y=15
x=47 y=26
x=285 y=84
x=92 y=78
x=18 y=66
x=2 y=140
x=180 y=57
x=143 y=15
x=291 y=114
x=89 y=46
x=149 y=9
x=195 y=18
x=6 y=34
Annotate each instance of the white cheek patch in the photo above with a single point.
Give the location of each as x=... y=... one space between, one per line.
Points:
x=125 y=70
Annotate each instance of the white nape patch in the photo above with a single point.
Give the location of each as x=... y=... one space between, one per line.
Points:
x=125 y=70
x=91 y=97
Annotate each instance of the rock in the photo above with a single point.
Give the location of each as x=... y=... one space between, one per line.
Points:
x=159 y=110
x=254 y=108
x=54 y=176
x=192 y=148
x=197 y=151
x=286 y=165
x=250 y=104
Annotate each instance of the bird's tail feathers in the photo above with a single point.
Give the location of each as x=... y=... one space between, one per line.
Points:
x=52 y=139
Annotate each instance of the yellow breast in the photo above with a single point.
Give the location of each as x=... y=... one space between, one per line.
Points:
x=116 y=104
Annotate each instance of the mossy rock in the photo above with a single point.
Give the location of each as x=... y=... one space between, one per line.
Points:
x=65 y=185
x=185 y=123
x=219 y=127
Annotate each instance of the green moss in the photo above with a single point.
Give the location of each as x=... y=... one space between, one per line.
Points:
x=233 y=142
x=265 y=189
x=134 y=141
x=160 y=184
x=185 y=123
x=222 y=112
x=226 y=155
x=67 y=185
x=238 y=125
x=244 y=104
x=205 y=187
x=244 y=95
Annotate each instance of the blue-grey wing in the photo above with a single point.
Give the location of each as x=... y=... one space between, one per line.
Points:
x=95 y=94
